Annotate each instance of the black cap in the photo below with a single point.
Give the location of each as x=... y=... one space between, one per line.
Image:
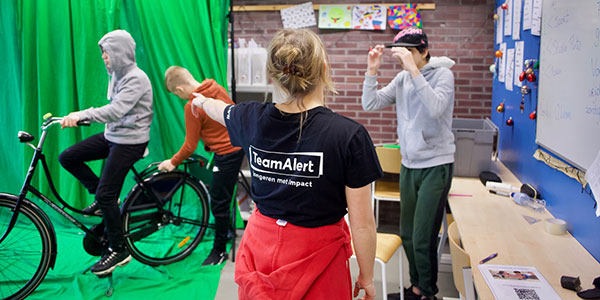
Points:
x=410 y=37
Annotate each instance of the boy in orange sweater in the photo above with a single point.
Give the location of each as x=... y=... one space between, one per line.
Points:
x=227 y=161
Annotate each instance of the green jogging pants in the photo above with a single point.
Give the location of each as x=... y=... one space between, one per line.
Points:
x=423 y=196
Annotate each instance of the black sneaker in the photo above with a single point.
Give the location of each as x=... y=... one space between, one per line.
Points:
x=110 y=261
x=215 y=257
x=93 y=209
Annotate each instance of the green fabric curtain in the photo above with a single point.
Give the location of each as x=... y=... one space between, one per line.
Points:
x=52 y=63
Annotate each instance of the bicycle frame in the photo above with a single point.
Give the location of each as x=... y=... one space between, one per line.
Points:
x=149 y=191
x=26 y=188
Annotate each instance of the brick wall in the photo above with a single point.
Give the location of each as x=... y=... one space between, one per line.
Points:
x=460 y=29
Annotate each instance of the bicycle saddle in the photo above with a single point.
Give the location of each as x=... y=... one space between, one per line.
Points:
x=25 y=137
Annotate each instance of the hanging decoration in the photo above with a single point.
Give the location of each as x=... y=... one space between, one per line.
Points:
x=500 y=108
x=299 y=16
x=510 y=122
x=533 y=115
x=335 y=16
x=504 y=6
x=370 y=17
x=404 y=15
x=524 y=91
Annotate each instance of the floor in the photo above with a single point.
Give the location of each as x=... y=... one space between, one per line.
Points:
x=228 y=288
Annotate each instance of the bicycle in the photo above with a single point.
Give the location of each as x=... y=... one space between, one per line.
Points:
x=165 y=216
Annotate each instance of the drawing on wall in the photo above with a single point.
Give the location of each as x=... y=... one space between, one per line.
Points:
x=404 y=15
x=299 y=16
x=369 y=17
x=335 y=16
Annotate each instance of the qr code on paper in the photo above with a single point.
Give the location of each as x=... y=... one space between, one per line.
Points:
x=526 y=294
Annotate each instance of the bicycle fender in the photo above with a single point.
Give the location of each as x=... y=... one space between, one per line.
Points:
x=45 y=219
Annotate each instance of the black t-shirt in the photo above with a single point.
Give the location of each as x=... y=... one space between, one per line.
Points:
x=302 y=181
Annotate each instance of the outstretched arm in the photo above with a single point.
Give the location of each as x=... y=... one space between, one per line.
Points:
x=213 y=108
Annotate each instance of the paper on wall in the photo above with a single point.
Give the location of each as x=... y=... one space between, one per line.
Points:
x=499 y=24
x=536 y=18
x=519 y=48
x=527 y=6
x=299 y=16
x=508 y=18
x=335 y=16
x=592 y=175
x=510 y=68
x=370 y=17
x=502 y=63
x=516 y=15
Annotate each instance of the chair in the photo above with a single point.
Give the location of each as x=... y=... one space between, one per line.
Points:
x=389 y=159
x=461 y=265
x=387 y=245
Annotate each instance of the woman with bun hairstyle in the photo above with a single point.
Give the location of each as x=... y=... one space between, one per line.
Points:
x=310 y=167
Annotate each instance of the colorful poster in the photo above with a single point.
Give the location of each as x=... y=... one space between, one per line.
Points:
x=404 y=15
x=335 y=16
x=370 y=17
x=299 y=16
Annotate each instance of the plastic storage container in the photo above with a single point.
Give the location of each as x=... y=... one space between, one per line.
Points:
x=475 y=139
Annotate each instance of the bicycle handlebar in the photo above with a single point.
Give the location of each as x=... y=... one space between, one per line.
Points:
x=55 y=120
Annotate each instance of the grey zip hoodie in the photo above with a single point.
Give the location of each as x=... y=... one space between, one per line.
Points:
x=129 y=114
x=424 y=107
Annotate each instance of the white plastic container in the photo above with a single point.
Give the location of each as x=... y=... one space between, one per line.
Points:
x=258 y=61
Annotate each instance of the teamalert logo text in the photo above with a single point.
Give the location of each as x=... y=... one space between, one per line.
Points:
x=297 y=164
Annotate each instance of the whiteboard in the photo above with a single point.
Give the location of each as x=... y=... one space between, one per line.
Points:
x=568 y=120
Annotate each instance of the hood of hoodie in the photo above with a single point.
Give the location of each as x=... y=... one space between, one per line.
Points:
x=437 y=62
x=206 y=88
x=120 y=47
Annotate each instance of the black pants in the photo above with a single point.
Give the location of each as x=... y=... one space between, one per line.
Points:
x=119 y=159
x=225 y=175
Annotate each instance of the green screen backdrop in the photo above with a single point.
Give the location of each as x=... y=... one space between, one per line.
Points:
x=50 y=62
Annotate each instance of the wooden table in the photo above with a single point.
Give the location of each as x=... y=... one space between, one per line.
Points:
x=490 y=223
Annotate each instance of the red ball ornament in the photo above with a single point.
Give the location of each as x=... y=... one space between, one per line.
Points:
x=532 y=115
x=510 y=122
x=504 y=6
x=498 y=53
x=531 y=77
x=522 y=76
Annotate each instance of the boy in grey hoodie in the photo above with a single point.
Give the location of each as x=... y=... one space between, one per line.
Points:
x=127 y=116
x=423 y=94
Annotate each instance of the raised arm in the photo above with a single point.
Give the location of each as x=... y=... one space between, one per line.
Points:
x=213 y=108
x=372 y=99
x=364 y=237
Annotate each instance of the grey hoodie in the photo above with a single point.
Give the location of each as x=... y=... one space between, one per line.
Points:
x=129 y=114
x=424 y=107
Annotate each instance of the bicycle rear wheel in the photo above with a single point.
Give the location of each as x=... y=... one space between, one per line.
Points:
x=163 y=233
x=25 y=254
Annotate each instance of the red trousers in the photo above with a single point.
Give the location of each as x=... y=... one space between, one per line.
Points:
x=284 y=261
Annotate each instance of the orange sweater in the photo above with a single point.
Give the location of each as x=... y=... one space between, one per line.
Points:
x=213 y=134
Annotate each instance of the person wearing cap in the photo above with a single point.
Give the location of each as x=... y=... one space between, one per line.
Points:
x=127 y=116
x=423 y=94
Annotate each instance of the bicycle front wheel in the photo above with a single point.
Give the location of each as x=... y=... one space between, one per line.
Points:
x=168 y=231
x=25 y=254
